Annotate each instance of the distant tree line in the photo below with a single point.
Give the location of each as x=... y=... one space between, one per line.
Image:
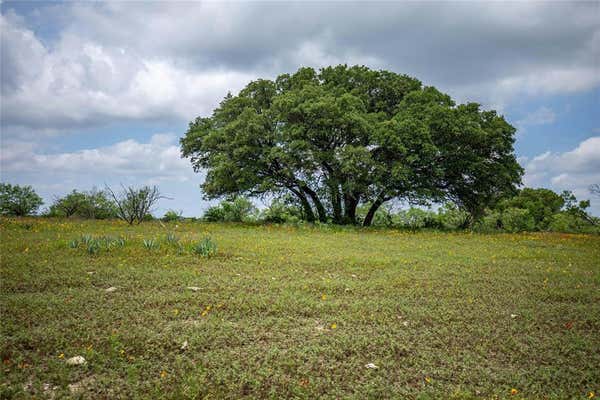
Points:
x=132 y=205
x=528 y=210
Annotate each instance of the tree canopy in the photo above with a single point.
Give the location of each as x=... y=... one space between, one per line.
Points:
x=18 y=200
x=348 y=136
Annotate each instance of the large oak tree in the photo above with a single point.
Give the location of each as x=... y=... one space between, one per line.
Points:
x=345 y=136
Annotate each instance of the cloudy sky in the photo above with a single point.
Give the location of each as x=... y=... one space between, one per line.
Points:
x=99 y=93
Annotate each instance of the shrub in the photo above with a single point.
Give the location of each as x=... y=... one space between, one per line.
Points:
x=18 y=200
x=278 y=213
x=517 y=220
x=134 y=205
x=93 y=205
x=416 y=218
x=206 y=247
x=571 y=223
x=452 y=217
x=239 y=209
x=214 y=214
x=172 y=215
x=491 y=222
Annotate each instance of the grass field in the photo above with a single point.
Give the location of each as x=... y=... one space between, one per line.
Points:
x=286 y=312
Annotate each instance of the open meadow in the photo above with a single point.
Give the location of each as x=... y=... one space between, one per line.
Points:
x=295 y=312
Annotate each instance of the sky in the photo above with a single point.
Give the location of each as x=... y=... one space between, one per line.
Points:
x=99 y=93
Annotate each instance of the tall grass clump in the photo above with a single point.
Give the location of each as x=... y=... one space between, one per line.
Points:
x=205 y=248
x=150 y=244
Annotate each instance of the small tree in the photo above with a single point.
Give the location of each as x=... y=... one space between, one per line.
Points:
x=94 y=204
x=69 y=205
x=18 y=200
x=134 y=204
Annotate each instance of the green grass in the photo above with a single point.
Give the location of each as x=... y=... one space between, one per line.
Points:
x=286 y=312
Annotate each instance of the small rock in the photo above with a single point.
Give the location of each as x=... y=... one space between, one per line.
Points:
x=184 y=345
x=77 y=360
x=193 y=288
x=91 y=272
x=110 y=289
x=513 y=315
x=371 y=366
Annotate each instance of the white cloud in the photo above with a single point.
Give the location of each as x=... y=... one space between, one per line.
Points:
x=82 y=83
x=159 y=159
x=123 y=60
x=572 y=170
x=129 y=162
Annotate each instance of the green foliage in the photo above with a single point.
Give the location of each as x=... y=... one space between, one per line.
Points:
x=172 y=216
x=541 y=204
x=171 y=238
x=540 y=210
x=382 y=217
x=451 y=217
x=517 y=220
x=416 y=218
x=279 y=212
x=93 y=205
x=205 y=248
x=490 y=222
x=571 y=223
x=94 y=245
x=150 y=244
x=18 y=200
x=239 y=209
x=345 y=137
x=214 y=214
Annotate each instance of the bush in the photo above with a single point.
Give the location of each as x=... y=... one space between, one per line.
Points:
x=18 y=200
x=571 y=223
x=214 y=214
x=171 y=216
x=416 y=218
x=93 y=205
x=491 y=222
x=451 y=217
x=238 y=210
x=134 y=205
x=279 y=213
x=517 y=220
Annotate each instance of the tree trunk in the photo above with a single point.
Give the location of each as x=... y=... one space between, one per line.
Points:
x=350 y=204
x=315 y=198
x=371 y=213
x=336 y=203
x=310 y=215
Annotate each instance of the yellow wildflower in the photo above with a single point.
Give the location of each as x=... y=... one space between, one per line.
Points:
x=513 y=391
x=333 y=326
